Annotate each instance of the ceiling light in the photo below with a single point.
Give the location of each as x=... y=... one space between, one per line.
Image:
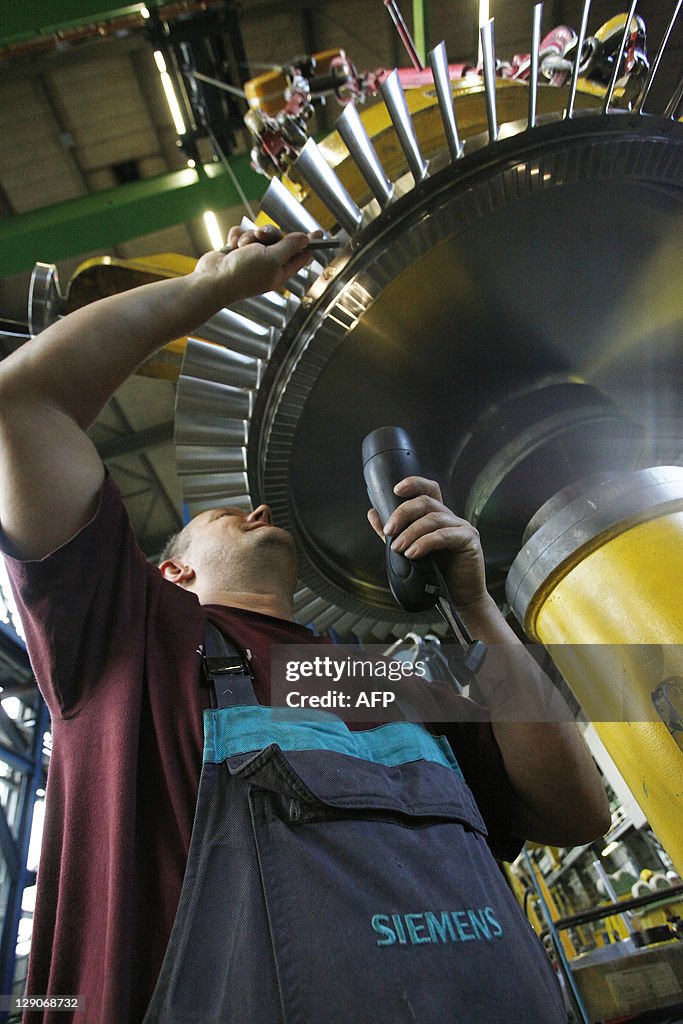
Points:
x=173 y=104
x=213 y=229
x=171 y=97
x=609 y=848
x=144 y=13
x=12 y=707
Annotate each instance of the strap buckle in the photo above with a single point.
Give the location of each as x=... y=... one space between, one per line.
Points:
x=236 y=666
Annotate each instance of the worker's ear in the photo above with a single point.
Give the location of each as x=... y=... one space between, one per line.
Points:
x=177 y=572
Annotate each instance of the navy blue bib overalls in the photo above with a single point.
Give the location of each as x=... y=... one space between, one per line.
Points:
x=339 y=877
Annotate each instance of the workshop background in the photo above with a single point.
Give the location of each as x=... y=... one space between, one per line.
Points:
x=529 y=327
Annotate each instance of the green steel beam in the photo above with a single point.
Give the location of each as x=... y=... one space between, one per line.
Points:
x=28 y=19
x=421 y=29
x=21 y=20
x=120 y=214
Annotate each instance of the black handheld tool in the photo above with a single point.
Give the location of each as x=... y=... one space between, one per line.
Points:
x=389 y=456
x=314 y=245
x=320 y=244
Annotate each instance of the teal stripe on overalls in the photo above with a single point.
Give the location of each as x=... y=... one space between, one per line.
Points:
x=239 y=730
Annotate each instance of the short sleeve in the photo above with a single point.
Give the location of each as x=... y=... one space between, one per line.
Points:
x=81 y=601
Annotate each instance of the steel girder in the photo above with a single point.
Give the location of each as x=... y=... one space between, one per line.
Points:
x=117 y=215
x=41 y=18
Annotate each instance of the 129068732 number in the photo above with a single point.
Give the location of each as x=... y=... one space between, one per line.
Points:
x=42 y=1003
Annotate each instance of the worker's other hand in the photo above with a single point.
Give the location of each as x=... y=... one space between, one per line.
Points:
x=423 y=525
x=257 y=260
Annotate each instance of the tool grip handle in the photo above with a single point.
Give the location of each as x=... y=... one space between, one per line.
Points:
x=390 y=456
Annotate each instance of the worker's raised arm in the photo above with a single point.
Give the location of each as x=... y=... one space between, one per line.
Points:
x=54 y=386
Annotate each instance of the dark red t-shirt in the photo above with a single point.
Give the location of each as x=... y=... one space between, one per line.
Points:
x=115 y=650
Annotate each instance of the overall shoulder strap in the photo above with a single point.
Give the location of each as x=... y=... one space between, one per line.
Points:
x=227 y=670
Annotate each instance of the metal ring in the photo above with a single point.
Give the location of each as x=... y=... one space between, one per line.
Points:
x=619 y=501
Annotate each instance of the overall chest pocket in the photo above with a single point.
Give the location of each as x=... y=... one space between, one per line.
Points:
x=383 y=900
x=324 y=785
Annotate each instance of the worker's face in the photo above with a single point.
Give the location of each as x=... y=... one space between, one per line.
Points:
x=230 y=533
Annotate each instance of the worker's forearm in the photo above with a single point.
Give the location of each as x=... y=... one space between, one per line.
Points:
x=561 y=799
x=77 y=363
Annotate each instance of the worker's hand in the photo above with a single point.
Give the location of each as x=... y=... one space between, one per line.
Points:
x=422 y=525
x=256 y=261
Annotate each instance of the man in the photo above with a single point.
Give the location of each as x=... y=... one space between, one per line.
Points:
x=116 y=647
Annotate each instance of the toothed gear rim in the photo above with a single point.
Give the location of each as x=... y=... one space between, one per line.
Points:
x=325 y=385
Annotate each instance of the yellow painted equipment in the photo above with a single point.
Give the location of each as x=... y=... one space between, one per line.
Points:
x=611 y=614
x=267 y=92
x=105 y=275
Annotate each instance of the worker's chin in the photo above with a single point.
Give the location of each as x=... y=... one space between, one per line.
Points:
x=273 y=535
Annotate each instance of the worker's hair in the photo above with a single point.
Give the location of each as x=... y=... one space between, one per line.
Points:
x=175 y=547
